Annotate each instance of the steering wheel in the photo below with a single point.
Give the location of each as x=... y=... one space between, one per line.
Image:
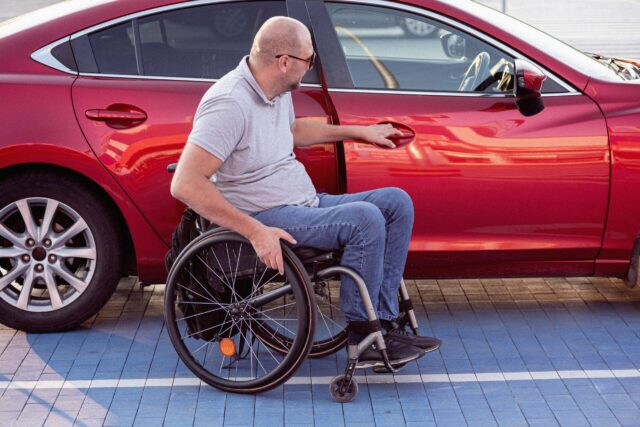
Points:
x=477 y=72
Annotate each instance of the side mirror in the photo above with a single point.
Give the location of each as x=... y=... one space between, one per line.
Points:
x=453 y=45
x=528 y=87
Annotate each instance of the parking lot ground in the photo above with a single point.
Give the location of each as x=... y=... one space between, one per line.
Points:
x=539 y=352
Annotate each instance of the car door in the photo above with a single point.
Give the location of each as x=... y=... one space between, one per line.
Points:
x=495 y=192
x=140 y=83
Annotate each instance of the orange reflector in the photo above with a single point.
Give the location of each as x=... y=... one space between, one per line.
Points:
x=227 y=347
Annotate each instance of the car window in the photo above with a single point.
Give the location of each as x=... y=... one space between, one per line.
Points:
x=396 y=50
x=114 y=50
x=203 y=42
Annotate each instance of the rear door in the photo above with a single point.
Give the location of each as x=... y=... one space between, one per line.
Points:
x=495 y=192
x=141 y=81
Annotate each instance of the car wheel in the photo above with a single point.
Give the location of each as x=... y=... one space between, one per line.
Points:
x=59 y=253
x=415 y=28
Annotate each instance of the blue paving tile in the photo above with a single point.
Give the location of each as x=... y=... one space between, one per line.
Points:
x=628 y=417
x=449 y=418
x=571 y=418
x=421 y=424
x=562 y=402
x=608 y=386
x=298 y=404
x=609 y=422
x=263 y=422
x=359 y=410
x=551 y=387
x=480 y=422
x=536 y=410
x=619 y=402
x=148 y=422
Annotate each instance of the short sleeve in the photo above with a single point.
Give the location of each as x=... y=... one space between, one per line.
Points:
x=218 y=127
x=292 y=114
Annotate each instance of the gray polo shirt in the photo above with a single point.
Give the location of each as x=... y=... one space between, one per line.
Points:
x=252 y=136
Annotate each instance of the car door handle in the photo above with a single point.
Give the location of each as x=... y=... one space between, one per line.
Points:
x=104 y=115
x=406 y=137
x=118 y=118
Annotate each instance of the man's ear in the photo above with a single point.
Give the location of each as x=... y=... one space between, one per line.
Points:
x=281 y=63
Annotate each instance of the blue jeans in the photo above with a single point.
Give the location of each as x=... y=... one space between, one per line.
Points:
x=373 y=228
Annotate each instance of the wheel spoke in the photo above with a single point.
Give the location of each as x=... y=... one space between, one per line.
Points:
x=54 y=294
x=322 y=316
x=14 y=238
x=277 y=308
x=274 y=321
x=219 y=265
x=213 y=271
x=52 y=207
x=12 y=275
x=200 y=313
x=330 y=319
x=76 y=283
x=256 y=356
x=25 y=293
x=205 y=288
x=69 y=252
x=79 y=226
x=234 y=295
x=212 y=301
x=29 y=223
x=11 y=252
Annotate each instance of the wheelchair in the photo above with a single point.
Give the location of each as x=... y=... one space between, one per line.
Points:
x=244 y=328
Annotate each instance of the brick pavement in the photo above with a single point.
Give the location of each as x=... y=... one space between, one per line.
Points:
x=555 y=351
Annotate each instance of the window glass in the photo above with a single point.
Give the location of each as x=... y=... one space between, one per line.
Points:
x=114 y=50
x=397 y=50
x=203 y=41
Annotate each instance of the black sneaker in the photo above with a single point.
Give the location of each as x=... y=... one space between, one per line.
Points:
x=398 y=353
x=425 y=343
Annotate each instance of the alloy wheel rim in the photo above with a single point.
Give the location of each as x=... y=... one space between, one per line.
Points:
x=47 y=254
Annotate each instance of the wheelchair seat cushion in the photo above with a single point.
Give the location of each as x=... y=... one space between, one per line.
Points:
x=308 y=255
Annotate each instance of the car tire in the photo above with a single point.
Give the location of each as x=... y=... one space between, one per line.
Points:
x=62 y=268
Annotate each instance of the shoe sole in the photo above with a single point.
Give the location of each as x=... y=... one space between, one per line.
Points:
x=426 y=350
x=384 y=370
x=380 y=363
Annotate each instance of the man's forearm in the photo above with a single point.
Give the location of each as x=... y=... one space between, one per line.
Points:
x=208 y=202
x=308 y=132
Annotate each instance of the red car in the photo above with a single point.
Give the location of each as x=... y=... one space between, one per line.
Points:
x=508 y=177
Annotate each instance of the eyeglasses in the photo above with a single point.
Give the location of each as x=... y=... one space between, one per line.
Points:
x=309 y=61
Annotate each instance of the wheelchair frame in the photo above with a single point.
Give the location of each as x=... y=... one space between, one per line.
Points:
x=311 y=267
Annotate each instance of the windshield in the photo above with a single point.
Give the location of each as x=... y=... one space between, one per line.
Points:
x=563 y=52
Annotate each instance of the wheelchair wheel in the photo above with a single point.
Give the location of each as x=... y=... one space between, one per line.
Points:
x=330 y=332
x=219 y=295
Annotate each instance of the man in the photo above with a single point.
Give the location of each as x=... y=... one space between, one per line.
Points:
x=244 y=131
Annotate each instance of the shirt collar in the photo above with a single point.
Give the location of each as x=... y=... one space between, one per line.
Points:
x=245 y=72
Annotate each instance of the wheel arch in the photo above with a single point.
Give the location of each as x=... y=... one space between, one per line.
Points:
x=128 y=261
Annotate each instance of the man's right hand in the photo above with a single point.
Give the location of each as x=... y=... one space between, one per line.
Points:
x=266 y=242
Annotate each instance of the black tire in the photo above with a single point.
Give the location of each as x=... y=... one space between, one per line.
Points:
x=95 y=269
x=207 y=302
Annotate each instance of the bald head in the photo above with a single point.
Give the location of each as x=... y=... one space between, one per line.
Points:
x=279 y=35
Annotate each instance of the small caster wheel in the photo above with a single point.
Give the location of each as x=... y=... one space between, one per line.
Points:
x=336 y=384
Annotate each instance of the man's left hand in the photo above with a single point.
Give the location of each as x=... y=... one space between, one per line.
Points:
x=378 y=134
